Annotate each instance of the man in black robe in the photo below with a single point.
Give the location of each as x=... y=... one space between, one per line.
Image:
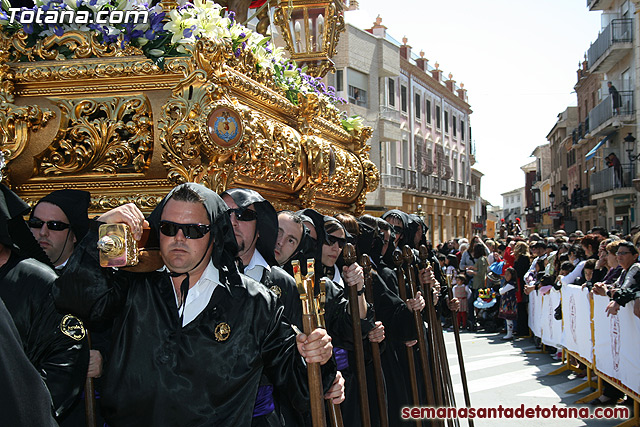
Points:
x=191 y=341
x=25 y=398
x=255 y=225
x=54 y=343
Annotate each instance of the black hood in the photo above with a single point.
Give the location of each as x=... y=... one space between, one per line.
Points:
x=267 y=224
x=225 y=249
x=370 y=242
x=405 y=240
x=75 y=205
x=417 y=224
x=14 y=232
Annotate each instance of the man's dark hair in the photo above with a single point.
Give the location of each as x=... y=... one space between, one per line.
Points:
x=599 y=230
x=186 y=194
x=552 y=246
x=295 y=217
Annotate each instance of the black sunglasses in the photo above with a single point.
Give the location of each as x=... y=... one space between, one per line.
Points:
x=51 y=225
x=244 y=214
x=332 y=240
x=190 y=231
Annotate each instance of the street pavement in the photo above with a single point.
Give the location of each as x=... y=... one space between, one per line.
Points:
x=502 y=373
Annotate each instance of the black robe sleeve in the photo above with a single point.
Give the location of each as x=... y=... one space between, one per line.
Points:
x=25 y=398
x=55 y=343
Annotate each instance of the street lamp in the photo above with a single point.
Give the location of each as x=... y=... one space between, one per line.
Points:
x=564 y=190
x=630 y=142
x=552 y=198
x=311 y=29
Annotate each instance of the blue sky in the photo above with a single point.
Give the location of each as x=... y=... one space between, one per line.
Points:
x=517 y=59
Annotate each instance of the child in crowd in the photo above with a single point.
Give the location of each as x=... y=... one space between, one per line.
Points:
x=586 y=281
x=461 y=291
x=451 y=265
x=508 y=301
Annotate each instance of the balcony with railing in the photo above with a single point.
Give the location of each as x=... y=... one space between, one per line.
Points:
x=599 y=4
x=390 y=181
x=390 y=114
x=614 y=42
x=412 y=179
x=581 y=198
x=613 y=179
x=604 y=115
x=580 y=132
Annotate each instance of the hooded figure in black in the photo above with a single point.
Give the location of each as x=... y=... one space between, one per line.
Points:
x=264 y=268
x=165 y=369
x=74 y=204
x=54 y=343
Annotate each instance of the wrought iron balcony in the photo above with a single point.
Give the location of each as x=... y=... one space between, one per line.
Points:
x=610 y=179
x=612 y=44
x=604 y=111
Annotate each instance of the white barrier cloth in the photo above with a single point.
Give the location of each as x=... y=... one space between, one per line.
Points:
x=535 y=305
x=551 y=328
x=576 y=317
x=617 y=343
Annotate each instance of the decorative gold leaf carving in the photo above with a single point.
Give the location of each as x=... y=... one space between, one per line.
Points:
x=81 y=44
x=100 y=135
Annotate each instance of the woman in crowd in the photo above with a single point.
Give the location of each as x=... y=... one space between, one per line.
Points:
x=521 y=265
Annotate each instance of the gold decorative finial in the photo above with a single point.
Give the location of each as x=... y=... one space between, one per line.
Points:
x=450 y=76
x=422 y=54
x=378 y=20
x=437 y=65
x=461 y=85
x=405 y=40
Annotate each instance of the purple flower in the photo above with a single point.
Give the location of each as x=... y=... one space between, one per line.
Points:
x=232 y=16
x=155 y=26
x=237 y=52
x=57 y=29
x=27 y=28
x=188 y=32
x=268 y=50
x=242 y=35
x=244 y=45
x=93 y=2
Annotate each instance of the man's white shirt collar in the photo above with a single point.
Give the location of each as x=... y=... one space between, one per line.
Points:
x=199 y=295
x=256 y=266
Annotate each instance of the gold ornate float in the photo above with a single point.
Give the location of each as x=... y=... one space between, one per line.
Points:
x=75 y=113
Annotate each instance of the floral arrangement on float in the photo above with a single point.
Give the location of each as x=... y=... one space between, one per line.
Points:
x=160 y=37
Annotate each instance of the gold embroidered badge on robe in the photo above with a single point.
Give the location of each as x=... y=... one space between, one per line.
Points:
x=222 y=332
x=72 y=327
x=276 y=290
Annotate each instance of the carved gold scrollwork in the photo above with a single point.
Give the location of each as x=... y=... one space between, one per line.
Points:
x=271 y=152
x=100 y=135
x=16 y=122
x=81 y=44
x=179 y=132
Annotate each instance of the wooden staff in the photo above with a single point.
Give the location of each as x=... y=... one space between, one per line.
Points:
x=335 y=415
x=456 y=334
x=440 y=352
x=432 y=331
x=407 y=255
x=365 y=262
x=90 y=396
x=309 y=323
x=349 y=255
x=402 y=291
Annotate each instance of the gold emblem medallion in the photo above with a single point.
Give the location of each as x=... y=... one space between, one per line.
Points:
x=276 y=290
x=222 y=332
x=72 y=327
